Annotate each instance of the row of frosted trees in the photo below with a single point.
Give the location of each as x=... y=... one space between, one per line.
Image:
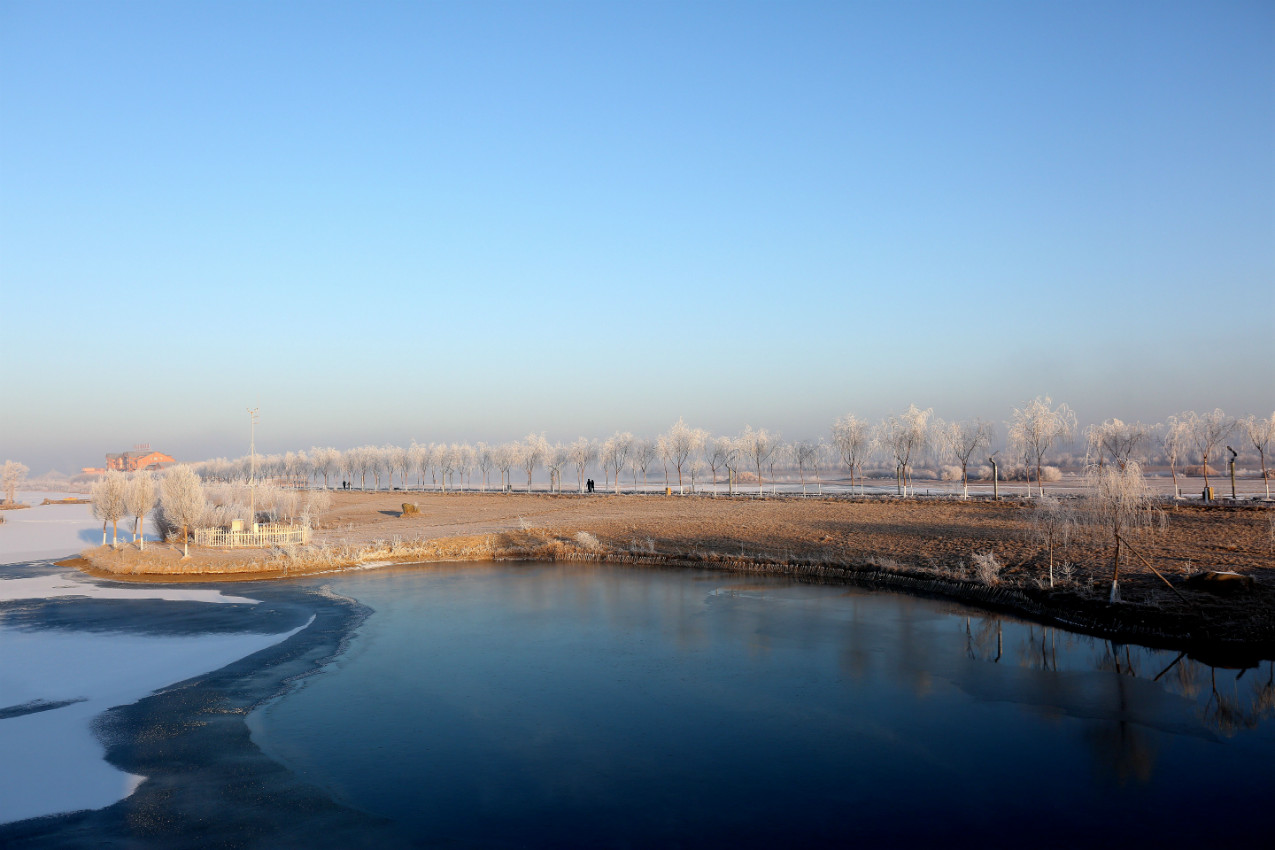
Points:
x=686 y=456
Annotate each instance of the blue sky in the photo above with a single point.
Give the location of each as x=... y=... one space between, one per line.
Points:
x=438 y=221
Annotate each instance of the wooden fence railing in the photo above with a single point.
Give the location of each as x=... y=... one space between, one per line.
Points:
x=271 y=534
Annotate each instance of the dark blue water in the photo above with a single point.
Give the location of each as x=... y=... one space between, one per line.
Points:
x=548 y=705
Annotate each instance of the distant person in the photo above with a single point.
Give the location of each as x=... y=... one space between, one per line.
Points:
x=590 y=485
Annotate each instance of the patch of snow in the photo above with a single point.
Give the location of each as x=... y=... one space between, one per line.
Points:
x=55 y=763
x=72 y=584
x=44 y=532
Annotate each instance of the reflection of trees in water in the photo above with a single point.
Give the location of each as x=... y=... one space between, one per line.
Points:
x=985 y=639
x=1121 y=748
x=1125 y=747
x=1229 y=708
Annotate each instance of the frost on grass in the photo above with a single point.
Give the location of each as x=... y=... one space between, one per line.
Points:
x=987 y=567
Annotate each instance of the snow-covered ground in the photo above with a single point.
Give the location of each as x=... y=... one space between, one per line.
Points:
x=48 y=532
x=53 y=682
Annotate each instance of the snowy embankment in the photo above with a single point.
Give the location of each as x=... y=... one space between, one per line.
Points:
x=55 y=681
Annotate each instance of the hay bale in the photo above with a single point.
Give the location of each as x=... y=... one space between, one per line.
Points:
x=410 y=509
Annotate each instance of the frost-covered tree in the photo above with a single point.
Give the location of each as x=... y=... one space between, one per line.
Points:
x=534 y=449
x=961 y=441
x=1118 y=505
x=582 y=453
x=422 y=460
x=780 y=456
x=679 y=444
x=853 y=438
x=758 y=446
x=11 y=477
x=326 y=462
x=1175 y=440
x=643 y=455
x=1051 y=522
x=734 y=461
x=905 y=435
x=1208 y=433
x=1114 y=441
x=139 y=500
x=108 y=494
x=466 y=459
x=805 y=456
x=349 y=465
x=715 y=454
x=615 y=454
x=556 y=458
x=486 y=460
x=445 y=462
x=1036 y=427
x=182 y=500
x=1260 y=433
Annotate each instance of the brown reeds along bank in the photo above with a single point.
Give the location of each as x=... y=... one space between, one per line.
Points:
x=930 y=546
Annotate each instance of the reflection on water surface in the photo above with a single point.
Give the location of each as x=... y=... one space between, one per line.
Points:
x=551 y=705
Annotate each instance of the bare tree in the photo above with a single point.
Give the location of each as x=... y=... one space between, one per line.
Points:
x=758 y=446
x=1118 y=506
x=1208 y=433
x=1037 y=427
x=906 y=436
x=182 y=500
x=961 y=440
x=615 y=454
x=1260 y=434
x=583 y=452
x=139 y=500
x=853 y=438
x=1051 y=524
x=108 y=493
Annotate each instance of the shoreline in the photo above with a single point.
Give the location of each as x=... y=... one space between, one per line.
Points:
x=914 y=547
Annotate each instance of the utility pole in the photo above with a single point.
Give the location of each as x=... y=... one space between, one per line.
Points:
x=252 y=451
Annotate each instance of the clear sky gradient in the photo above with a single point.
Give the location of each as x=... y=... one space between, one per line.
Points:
x=439 y=221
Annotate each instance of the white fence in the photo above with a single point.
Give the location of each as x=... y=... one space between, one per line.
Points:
x=271 y=534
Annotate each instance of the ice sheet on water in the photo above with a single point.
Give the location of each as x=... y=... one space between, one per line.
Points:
x=53 y=761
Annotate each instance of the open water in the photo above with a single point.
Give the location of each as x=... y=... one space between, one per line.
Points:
x=548 y=706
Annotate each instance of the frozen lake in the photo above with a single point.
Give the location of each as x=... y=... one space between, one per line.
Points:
x=549 y=705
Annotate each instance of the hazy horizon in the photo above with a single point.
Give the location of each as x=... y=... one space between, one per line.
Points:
x=446 y=222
